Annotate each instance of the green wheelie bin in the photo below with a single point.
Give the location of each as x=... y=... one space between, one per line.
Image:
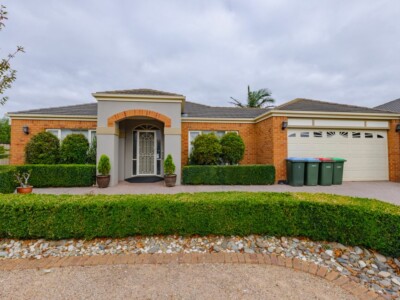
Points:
x=325 y=171
x=312 y=171
x=338 y=167
x=295 y=171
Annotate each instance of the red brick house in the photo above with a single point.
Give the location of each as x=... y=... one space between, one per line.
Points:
x=138 y=128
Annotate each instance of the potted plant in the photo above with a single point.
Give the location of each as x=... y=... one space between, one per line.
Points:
x=104 y=167
x=22 y=178
x=169 y=169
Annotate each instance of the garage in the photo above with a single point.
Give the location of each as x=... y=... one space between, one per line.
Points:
x=366 y=151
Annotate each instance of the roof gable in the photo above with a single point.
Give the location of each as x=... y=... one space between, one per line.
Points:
x=393 y=106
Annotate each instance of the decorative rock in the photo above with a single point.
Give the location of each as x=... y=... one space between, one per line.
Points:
x=385 y=283
x=248 y=250
x=358 y=250
x=380 y=257
x=384 y=274
x=154 y=249
x=216 y=248
x=3 y=254
x=396 y=280
x=271 y=249
x=329 y=252
x=362 y=264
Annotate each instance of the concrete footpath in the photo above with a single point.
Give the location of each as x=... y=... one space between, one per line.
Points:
x=381 y=190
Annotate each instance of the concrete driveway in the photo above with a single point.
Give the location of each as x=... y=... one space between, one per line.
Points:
x=383 y=190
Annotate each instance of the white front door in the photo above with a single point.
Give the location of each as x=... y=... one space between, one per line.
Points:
x=146 y=147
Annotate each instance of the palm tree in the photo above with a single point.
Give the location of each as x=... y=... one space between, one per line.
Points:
x=256 y=99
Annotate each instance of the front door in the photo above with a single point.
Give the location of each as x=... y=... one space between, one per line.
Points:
x=147 y=153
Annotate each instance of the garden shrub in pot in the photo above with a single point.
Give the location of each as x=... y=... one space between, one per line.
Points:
x=169 y=170
x=104 y=167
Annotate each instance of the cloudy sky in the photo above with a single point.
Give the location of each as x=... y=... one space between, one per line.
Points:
x=336 y=50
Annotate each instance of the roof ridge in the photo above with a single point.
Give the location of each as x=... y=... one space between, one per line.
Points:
x=390 y=102
x=328 y=102
x=52 y=107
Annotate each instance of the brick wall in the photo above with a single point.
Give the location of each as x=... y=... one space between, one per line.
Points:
x=265 y=141
x=271 y=144
x=394 y=152
x=20 y=139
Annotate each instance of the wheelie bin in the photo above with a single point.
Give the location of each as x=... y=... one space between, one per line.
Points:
x=338 y=168
x=295 y=171
x=325 y=171
x=311 y=171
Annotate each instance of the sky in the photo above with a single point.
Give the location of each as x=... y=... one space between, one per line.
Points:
x=334 y=50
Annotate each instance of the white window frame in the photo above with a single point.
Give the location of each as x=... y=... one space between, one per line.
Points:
x=58 y=132
x=90 y=133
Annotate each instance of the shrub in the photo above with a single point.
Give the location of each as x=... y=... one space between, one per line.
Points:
x=353 y=221
x=240 y=175
x=91 y=155
x=43 y=148
x=74 y=149
x=169 y=166
x=206 y=150
x=48 y=176
x=104 y=166
x=3 y=152
x=7 y=179
x=232 y=147
x=5 y=131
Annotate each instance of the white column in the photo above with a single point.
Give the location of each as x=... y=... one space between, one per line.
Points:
x=173 y=146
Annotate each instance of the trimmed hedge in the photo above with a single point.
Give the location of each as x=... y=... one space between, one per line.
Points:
x=353 y=221
x=240 y=175
x=49 y=176
x=7 y=179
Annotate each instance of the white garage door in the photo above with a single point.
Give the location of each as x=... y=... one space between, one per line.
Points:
x=366 y=151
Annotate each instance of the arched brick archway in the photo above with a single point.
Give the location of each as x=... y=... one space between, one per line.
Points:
x=138 y=113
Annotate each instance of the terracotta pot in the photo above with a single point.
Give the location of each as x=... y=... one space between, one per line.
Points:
x=103 y=181
x=24 y=190
x=170 y=180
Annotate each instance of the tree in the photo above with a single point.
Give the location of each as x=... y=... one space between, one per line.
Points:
x=7 y=74
x=43 y=148
x=3 y=152
x=206 y=150
x=91 y=155
x=256 y=99
x=74 y=149
x=232 y=148
x=5 y=131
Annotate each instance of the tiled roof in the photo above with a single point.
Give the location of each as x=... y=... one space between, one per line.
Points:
x=89 y=109
x=195 y=110
x=393 y=106
x=147 y=92
x=322 y=106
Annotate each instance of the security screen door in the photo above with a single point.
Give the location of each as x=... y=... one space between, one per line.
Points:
x=147 y=153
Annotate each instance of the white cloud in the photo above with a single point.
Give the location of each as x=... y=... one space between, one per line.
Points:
x=343 y=51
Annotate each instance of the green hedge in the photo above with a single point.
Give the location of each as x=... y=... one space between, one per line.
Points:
x=353 y=221
x=241 y=175
x=49 y=176
x=7 y=179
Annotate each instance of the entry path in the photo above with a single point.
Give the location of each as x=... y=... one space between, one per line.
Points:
x=193 y=276
x=381 y=190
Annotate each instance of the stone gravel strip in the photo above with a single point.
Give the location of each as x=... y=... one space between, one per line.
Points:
x=376 y=272
x=46 y=264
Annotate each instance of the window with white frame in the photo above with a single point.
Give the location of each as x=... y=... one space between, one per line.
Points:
x=194 y=133
x=62 y=133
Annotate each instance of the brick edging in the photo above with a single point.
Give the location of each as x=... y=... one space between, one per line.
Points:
x=342 y=281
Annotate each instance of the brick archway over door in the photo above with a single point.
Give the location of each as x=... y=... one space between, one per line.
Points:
x=138 y=113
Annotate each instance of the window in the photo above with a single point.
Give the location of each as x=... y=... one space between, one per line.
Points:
x=356 y=135
x=330 y=134
x=379 y=136
x=218 y=133
x=62 y=133
x=304 y=134
x=344 y=134
x=317 y=134
x=368 y=135
x=292 y=135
